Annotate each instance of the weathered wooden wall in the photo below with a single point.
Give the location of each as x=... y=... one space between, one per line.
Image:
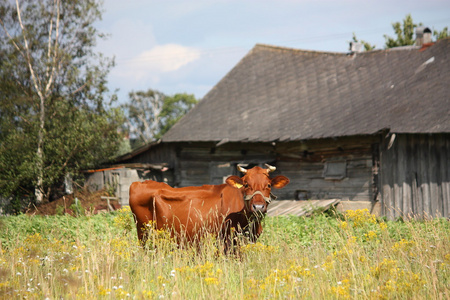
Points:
x=207 y=164
x=410 y=175
x=415 y=175
x=156 y=154
x=147 y=157
x=302 y=162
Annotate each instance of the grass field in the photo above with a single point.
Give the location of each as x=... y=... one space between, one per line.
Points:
x=355 y=256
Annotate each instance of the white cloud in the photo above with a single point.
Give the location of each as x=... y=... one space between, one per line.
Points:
x=170 y=57
x=159 y=59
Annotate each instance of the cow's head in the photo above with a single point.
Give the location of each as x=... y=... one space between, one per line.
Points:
x=256 y=187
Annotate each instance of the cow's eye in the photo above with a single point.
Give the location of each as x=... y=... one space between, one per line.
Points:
x=269 y=185
x=246 y=185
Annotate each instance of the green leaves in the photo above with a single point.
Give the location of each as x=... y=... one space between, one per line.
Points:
x=173 y=109
x=56 y=110
x=444 y=33
x=405 y=33
x=367 y=45
x=150 y=113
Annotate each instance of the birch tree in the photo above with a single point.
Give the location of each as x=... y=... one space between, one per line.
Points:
x=144 y=114
x=52 y=76
x=150 y=113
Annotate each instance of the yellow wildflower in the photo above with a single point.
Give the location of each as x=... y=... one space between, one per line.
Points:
x=211 y=280
x=343 y=225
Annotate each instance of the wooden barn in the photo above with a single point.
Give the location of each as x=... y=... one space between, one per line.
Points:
x=369 y=128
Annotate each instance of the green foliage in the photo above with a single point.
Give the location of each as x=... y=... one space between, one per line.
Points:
x=444 y=33
x=124 y=219
x=367 y=45
x=53 y=96
x=77 y=208
x=110 y=189
x=405 y=33
x=143 y=115
x=150 y=114
x=59 y=210
x=299 y=232
x=173 y=109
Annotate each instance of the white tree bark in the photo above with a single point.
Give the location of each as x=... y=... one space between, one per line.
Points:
x=42 y=92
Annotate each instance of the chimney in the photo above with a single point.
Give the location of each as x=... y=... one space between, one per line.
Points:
x=423 y=36
x=356 y=47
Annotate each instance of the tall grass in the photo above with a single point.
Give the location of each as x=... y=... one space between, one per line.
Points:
x=320 y=257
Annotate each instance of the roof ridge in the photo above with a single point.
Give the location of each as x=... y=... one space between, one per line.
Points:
x=259 y=45
x=283 y=48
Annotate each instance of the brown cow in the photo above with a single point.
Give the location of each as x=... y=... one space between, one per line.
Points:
x=190 y=212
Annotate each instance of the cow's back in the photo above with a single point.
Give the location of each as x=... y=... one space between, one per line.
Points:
x=187 y=210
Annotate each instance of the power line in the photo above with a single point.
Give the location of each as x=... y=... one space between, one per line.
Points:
x=170 y=56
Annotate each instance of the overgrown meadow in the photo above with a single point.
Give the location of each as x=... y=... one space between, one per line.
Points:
x=351 y=256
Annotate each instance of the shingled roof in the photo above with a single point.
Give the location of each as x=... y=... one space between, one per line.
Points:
x=282 y=94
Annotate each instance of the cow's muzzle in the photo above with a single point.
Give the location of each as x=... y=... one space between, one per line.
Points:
x=267 y=199
x=259 y=208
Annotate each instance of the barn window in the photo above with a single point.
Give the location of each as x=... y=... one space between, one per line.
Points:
x=335 y=170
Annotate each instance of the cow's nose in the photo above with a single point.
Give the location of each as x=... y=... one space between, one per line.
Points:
x=258 y=207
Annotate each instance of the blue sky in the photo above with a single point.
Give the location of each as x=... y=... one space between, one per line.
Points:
x=176 y=46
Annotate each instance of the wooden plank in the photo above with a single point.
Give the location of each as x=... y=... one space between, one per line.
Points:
x=404 y=206
x=433 y=168
x=442 y=165
x=445 y=175
x=424 y=175
x=420 y=169
x=386 y=180
x=293 y=210
x=298 y=208
x=439 y=163
x=397 y=196
x=280 y=204
x=411 y=154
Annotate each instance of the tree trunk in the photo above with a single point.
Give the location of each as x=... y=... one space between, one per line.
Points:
x=38 y=191
x=43 y=93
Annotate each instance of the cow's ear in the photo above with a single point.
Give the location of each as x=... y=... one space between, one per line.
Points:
x=279 y=182
x=235 y=181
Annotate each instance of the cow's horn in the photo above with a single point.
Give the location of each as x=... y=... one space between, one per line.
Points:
x=241 y=169
x=270 y=168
